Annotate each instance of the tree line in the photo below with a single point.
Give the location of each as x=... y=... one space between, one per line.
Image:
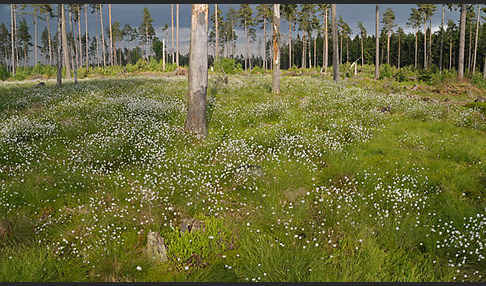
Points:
x=458 y=44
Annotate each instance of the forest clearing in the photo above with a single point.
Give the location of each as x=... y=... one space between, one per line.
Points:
x=324 y=158
x=323 y=182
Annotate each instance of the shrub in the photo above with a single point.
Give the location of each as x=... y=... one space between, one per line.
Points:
x=226 y=65
x=386 y=71
x=4 y=74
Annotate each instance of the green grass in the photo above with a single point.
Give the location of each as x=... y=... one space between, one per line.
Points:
x=355 y=181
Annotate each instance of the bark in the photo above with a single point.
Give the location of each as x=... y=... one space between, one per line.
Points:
x=388 y=48
x=48 y=20
x=303 y=51
x=276 y=49
x=80 y=48
x=290 y=44
x=12 y=35
x=377 y=57
x=75 y=55
x=163 y=54
x=484 y=68
x=87 y=38
x=416 y=49
x=98 y=59
x=429 y=58
x=315 y=51
x=216 y=47
x=399 y=51
x=112 y=55
x=362 y=52
x=309 y=50
x=326 y=43
x=172 y=31
x=462 y=39
x=476 y=43
x=35 y=38
x=469 y=51
x=450 y=54
x=177 y=34
x=335 y=52
x=103 y=48
x=425 y=42
x=341 y=51
x=65 y=50
x=441 y=39
x=59 y=49
x=264 y=43
x=198 y=72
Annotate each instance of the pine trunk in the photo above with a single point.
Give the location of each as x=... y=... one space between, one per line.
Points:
x=177 y=35
x=112 y=55
x=36 y=59
x=48 y=20
x=335 y=52
x=276 y=49
x=59 y=49
x=264 y=43
x=425 y=42
x=476 y=43
x=87 y=38
x=12 y=35
x=172 y=32
x=398 y=61
x=196 y=122
x=462 y=39
x=362 y=51
x=416 y=49
x=216 y=47
x=388 y=48
x=326 y=43
x=290 y=44
x=441 y=39
x=75 y=56
x=103 y=48
x=377 y=52
x=65 y=50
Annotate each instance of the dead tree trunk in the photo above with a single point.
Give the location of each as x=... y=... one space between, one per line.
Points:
x=462 y=40
x=377 y=56
x=198 y=72
x=59 y=46
x=335 y=56
x=276 y=49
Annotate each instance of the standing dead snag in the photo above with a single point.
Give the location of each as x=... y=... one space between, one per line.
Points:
x=198 y=72
x=276 y=49
x=335 y=52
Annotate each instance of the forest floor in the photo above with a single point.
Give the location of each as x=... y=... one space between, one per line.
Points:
x=357 y=181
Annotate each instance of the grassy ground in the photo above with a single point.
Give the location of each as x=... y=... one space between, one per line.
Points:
x=357 y=181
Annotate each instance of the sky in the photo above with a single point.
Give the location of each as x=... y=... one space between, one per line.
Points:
x=132 y=14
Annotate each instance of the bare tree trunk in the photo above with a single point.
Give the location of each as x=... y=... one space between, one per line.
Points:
x=450 y=54
x=264 y=43
x=309 y=50
x=163 y=54
x=290 y=44
x=377 y=57
x=347 y=50
x=276 y=49
x=429 y=58
x=441 y=39
x=303 y=51
x=59 y=49
x=476 y=42
x=48 y=20
x=75 y=56
x=399 y=51
x=326 y=43
x=65 y=50
x=362 y=51
x=12 y=35
x=172 y=31
x=469 y=51
x=416 y=49
x=462 y=39
x=198 y=72
x=388 y=48
x=216 y=47
x=80 y=48
x=315 y=51
x=36 y=59
x=341 y=51
x=103 y=48
x=177 y=34
x=484 y=68
x=335 y=56
x=112 y=55
x=87 y=38
x=425 y=42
